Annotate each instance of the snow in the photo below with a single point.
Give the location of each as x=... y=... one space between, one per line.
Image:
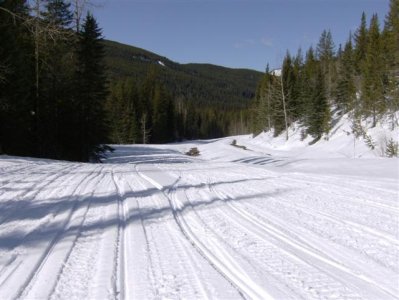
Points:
x=281 y=220
x=276 y=72
x=161 y=63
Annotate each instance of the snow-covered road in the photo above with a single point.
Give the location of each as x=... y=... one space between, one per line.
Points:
x=154 y=223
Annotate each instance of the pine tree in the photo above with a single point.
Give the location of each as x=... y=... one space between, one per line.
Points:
x=346 y=89
x=130 y=117
x=262 y=110
x=297 y=110
x=16 y=84
x=307 y=84
x=288 y=83
x=58 y=13
x=91 y=92
x=373 y=101
x=325 y=54
x=361 y=41
x=161 y=130
x=391 y=35
x=277 y=104
x=56 y=80
x=391 y=50
x=122 y=104
x=319 y=115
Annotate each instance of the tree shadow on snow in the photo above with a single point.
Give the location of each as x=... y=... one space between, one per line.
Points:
x=41 y=214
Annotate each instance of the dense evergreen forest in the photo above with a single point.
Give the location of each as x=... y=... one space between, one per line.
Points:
x=185 y=100
x=52 y=81
x=65 y=92
x=360 y=78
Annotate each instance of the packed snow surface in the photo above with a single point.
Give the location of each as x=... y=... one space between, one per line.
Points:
x=154 y=223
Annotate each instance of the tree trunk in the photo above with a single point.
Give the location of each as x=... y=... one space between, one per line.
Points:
x=284 y=108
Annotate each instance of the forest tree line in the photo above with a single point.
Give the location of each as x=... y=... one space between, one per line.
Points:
x=147 y=112
x=360 y=78
x=57 y=102
x=52 y=81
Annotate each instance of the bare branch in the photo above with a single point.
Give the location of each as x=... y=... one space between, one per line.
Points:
x=12 y=14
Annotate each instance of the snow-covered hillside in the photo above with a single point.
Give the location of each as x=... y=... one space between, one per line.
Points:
x=341 y=142
x=281 y=220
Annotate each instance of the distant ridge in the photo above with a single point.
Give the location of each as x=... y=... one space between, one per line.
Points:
x=199 y=83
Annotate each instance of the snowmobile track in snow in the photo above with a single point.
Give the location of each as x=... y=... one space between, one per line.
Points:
x=231 y=274
x=26 y=287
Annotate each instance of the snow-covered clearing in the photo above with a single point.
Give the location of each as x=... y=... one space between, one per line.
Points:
x=232 y=223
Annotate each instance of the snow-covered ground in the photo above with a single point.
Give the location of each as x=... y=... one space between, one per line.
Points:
x=279 y=221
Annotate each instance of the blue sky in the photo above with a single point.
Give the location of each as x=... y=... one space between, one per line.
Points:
x=232 y=33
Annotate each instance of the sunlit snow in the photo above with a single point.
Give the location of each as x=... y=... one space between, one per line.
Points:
x=281 y=220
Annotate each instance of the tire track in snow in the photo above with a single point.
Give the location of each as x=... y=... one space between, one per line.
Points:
x=362 y=185
x=267 y=260
x=28 y=171
x=227 y=269
x=300 y=250
x=79 y=267
x=32 y=192
x=362 y=191
x=379 y=251
x=242 y=188
x=181 y=248
x=344 y=230
x=148 y=252
x=120 y=272
x=351 y=228
x=5 y=272
x=385 y=224
x=40 y=268
x=7 y=177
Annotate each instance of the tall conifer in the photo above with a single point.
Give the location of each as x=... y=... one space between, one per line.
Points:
x=346 y=89
x=373 y=102
x=361 y=44
x=91 y=91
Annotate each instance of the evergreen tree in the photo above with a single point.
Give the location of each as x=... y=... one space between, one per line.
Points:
x=262 y=119
x=58 y=13
x=298 y=65
x=277 y=104
x=391 y=35
x=17 y=78
x=91 y=93
x=373 y=102
x=319 y=115
x=288 y=82
x=325 y=55
x=369 y=68
x=56 y=81
x=122 y=105
x=361 y=36
x=163 y=129
x=391 y=50
x=291 y=74
x=307 y=85
x=346 y=89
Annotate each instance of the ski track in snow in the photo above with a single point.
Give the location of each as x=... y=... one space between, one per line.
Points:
x=155 y=224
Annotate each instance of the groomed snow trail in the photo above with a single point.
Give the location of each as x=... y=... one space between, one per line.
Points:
x=152 y=223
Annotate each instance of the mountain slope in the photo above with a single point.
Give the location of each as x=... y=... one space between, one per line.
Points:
x=200 y=83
